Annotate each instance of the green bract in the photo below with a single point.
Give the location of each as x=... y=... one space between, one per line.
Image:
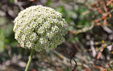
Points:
x=39 y=27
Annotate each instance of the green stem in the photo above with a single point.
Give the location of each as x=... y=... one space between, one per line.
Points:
x=30 y=58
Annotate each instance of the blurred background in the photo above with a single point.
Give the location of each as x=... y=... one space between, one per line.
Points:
x=88 y=44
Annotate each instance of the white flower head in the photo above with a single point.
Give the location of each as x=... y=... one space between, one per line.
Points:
x=52 y=46
x=37 y=26
x=38 y=47
x=27 y=30
x=42 y=40
x=40 y=20
x=22 y=44
x=16 y=35
x=50 y=35
x=33 y=37
x=29 y=44
x=46 y=25
x=41 y=30
x=55 y=29
x=23 y=37
x=33 y=24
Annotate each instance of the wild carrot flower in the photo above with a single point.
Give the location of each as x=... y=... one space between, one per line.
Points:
x=40 y=28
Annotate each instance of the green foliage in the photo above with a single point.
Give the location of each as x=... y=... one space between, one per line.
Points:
x=11 y=1
x=2 y=44
x=68 y=69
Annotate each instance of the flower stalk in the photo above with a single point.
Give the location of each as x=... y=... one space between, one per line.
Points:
x=30 y=58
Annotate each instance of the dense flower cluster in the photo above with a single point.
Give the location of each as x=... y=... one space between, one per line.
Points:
x=39 y=27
